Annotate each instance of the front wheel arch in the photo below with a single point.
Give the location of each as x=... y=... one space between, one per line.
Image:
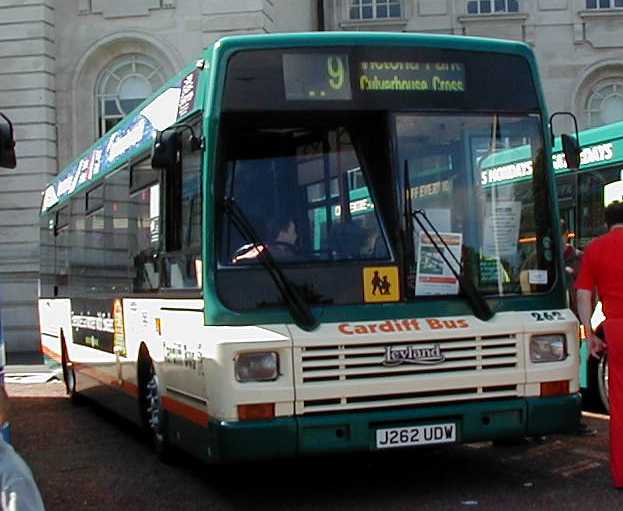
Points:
x=69 y=372
x=153 y=415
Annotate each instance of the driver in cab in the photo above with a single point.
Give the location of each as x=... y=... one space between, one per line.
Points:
x=282 y=245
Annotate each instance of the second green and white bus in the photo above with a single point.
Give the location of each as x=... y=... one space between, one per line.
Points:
x=583 y=193
x=407 y=308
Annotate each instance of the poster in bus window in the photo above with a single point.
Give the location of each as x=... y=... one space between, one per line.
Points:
x=439 y=217
x=434 y=275
x=501 y=228
x=93 y=324
x=154 y=214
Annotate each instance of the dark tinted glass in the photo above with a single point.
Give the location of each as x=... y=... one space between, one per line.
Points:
x=489 y=81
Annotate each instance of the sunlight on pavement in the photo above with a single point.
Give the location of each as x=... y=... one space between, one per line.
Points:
x=599 y=416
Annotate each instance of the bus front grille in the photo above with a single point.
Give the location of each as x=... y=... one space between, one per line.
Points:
x=343 y=377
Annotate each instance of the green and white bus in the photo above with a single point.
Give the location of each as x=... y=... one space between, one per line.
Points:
x=583 y=193
x=400 y=306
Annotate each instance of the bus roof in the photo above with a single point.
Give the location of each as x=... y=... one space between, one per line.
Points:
x=468 y=43
x=602 y=134
x=183 y=95
x=176 y=100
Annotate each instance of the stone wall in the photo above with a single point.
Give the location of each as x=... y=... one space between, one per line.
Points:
x=576 y=48
x=51 y=55
x=28 y=96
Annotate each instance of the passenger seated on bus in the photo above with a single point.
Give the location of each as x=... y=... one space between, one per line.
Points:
x=374 y=246
x=282 y=244
x=347 y=240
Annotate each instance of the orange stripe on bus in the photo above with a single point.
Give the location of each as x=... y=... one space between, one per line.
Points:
x=188 y=412
x=50 y=353
x=129 y=388
x=100 y=376
x=105 y=378
x=172 y=405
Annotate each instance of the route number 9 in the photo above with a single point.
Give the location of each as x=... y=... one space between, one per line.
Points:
x=335 y=69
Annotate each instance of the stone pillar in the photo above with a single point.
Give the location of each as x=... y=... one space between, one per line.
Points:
x=27 y=96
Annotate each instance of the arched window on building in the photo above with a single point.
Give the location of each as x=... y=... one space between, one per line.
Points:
x=605 y=103
x=123 y=85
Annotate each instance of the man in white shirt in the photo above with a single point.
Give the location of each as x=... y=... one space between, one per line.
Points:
x=18 y=490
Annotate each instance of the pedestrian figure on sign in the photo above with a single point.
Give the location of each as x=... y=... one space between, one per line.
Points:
x=376 y=283
x=385 y=285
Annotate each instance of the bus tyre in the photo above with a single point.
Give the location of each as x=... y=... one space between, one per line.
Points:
x=69 y=373
x=602 y=382
x=154 y=415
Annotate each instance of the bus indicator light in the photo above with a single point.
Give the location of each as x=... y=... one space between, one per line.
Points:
x=554 y=388
x=256 y=411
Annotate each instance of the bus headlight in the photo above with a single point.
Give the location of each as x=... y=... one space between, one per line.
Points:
x=256 y=366
x=548 y=348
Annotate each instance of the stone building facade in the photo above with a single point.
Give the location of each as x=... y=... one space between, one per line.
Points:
x=70 y=68
x=578 y=43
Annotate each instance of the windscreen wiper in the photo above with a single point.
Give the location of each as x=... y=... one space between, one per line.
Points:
x=299 y=309
x=479 y=305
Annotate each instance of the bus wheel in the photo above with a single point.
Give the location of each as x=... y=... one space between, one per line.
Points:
x=602 y=382
x=69 y=373
x=154 y=416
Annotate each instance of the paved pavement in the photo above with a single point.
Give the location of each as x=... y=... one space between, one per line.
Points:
x=85 y=458
x=28 y=361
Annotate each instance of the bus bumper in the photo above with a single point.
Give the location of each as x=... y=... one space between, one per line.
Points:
x=353 y=432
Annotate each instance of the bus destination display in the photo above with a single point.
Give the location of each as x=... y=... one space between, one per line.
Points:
x=316 y=77
x=401 y=76
x=327 y=77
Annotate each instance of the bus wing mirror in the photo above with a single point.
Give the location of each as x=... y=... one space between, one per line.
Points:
x=570 y=145
x=165 y=149
x=571 y=151
x=7 y=144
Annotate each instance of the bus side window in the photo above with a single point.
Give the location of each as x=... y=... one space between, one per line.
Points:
x=183 y=218
x=61 y=250
x=144 y=227
x=46 y=271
